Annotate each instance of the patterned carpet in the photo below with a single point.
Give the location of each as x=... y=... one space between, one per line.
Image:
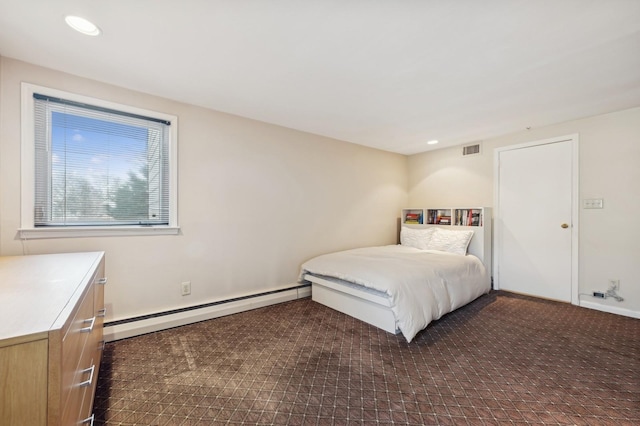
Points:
x=503 y=359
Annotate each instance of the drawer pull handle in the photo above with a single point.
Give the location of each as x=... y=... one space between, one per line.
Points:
x=88 y=420
x=90 y=328
x=102 y=312
x=101 y=345
x=102 y=281
x=88 y=382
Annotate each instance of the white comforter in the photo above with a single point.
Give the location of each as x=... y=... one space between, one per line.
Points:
x=422 y=285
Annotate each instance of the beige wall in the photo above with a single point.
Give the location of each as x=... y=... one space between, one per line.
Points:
x=609 y=147
x=255 y=201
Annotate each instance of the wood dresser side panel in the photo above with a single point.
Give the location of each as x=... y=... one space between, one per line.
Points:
x=23 y=383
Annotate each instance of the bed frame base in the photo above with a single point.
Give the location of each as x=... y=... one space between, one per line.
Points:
x=370 y=308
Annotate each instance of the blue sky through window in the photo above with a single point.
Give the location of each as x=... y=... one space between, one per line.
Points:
x=96 y=149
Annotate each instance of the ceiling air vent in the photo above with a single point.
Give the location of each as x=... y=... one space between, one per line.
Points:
x=473 y=149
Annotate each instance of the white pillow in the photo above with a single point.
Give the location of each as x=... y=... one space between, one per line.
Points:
x=450 y=241
x=416 y=237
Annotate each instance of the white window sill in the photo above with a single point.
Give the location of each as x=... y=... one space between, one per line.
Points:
x=95 y=231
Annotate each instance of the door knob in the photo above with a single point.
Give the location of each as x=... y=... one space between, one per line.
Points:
x=564 y=225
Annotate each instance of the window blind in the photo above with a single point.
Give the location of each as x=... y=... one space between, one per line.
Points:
x=96 y=166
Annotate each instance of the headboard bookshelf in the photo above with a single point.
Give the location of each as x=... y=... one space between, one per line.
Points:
x=476 y=219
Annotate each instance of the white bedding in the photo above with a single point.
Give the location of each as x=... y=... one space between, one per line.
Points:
x=422 y=285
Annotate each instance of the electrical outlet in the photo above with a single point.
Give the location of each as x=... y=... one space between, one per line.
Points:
x=186 y=288
x=614 y=285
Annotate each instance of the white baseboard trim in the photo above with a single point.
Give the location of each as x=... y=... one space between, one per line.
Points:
x=610 y=309
x=304 y=292
x=163 y=322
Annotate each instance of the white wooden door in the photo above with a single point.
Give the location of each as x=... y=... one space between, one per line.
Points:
x=535 y=219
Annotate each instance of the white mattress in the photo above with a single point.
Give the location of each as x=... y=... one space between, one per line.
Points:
x=422 y=285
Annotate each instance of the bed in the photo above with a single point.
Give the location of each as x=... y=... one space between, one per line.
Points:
x=402 y=288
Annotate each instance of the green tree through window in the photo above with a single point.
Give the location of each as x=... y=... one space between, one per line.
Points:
x=131 y=199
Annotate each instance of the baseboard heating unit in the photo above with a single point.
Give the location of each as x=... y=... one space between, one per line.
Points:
x=136 y=326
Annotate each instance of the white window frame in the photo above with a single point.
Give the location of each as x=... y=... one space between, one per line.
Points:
x=27 y=228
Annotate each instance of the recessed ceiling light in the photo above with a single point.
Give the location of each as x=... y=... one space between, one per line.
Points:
x=82 y=25
x=433 y=142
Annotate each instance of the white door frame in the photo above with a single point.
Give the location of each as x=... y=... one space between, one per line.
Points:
x=575 y=177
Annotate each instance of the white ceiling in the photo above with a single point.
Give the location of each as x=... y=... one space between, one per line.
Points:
x=388 y=74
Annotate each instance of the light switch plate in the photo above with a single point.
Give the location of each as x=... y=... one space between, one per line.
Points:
x=593 y=203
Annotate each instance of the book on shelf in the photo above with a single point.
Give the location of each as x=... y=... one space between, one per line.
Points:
x=475 y=219
x=458 y=220
x=433 y=217
x=413 y=218
x=468 y=217
x=444 y=220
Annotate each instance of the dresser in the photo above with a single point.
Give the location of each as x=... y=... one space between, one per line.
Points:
x=51 y=319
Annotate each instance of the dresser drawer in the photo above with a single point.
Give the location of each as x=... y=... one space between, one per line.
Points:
x=81 y=394
x=79 y=403
x=100 y=311
x=86 y=409
x=76 y=357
